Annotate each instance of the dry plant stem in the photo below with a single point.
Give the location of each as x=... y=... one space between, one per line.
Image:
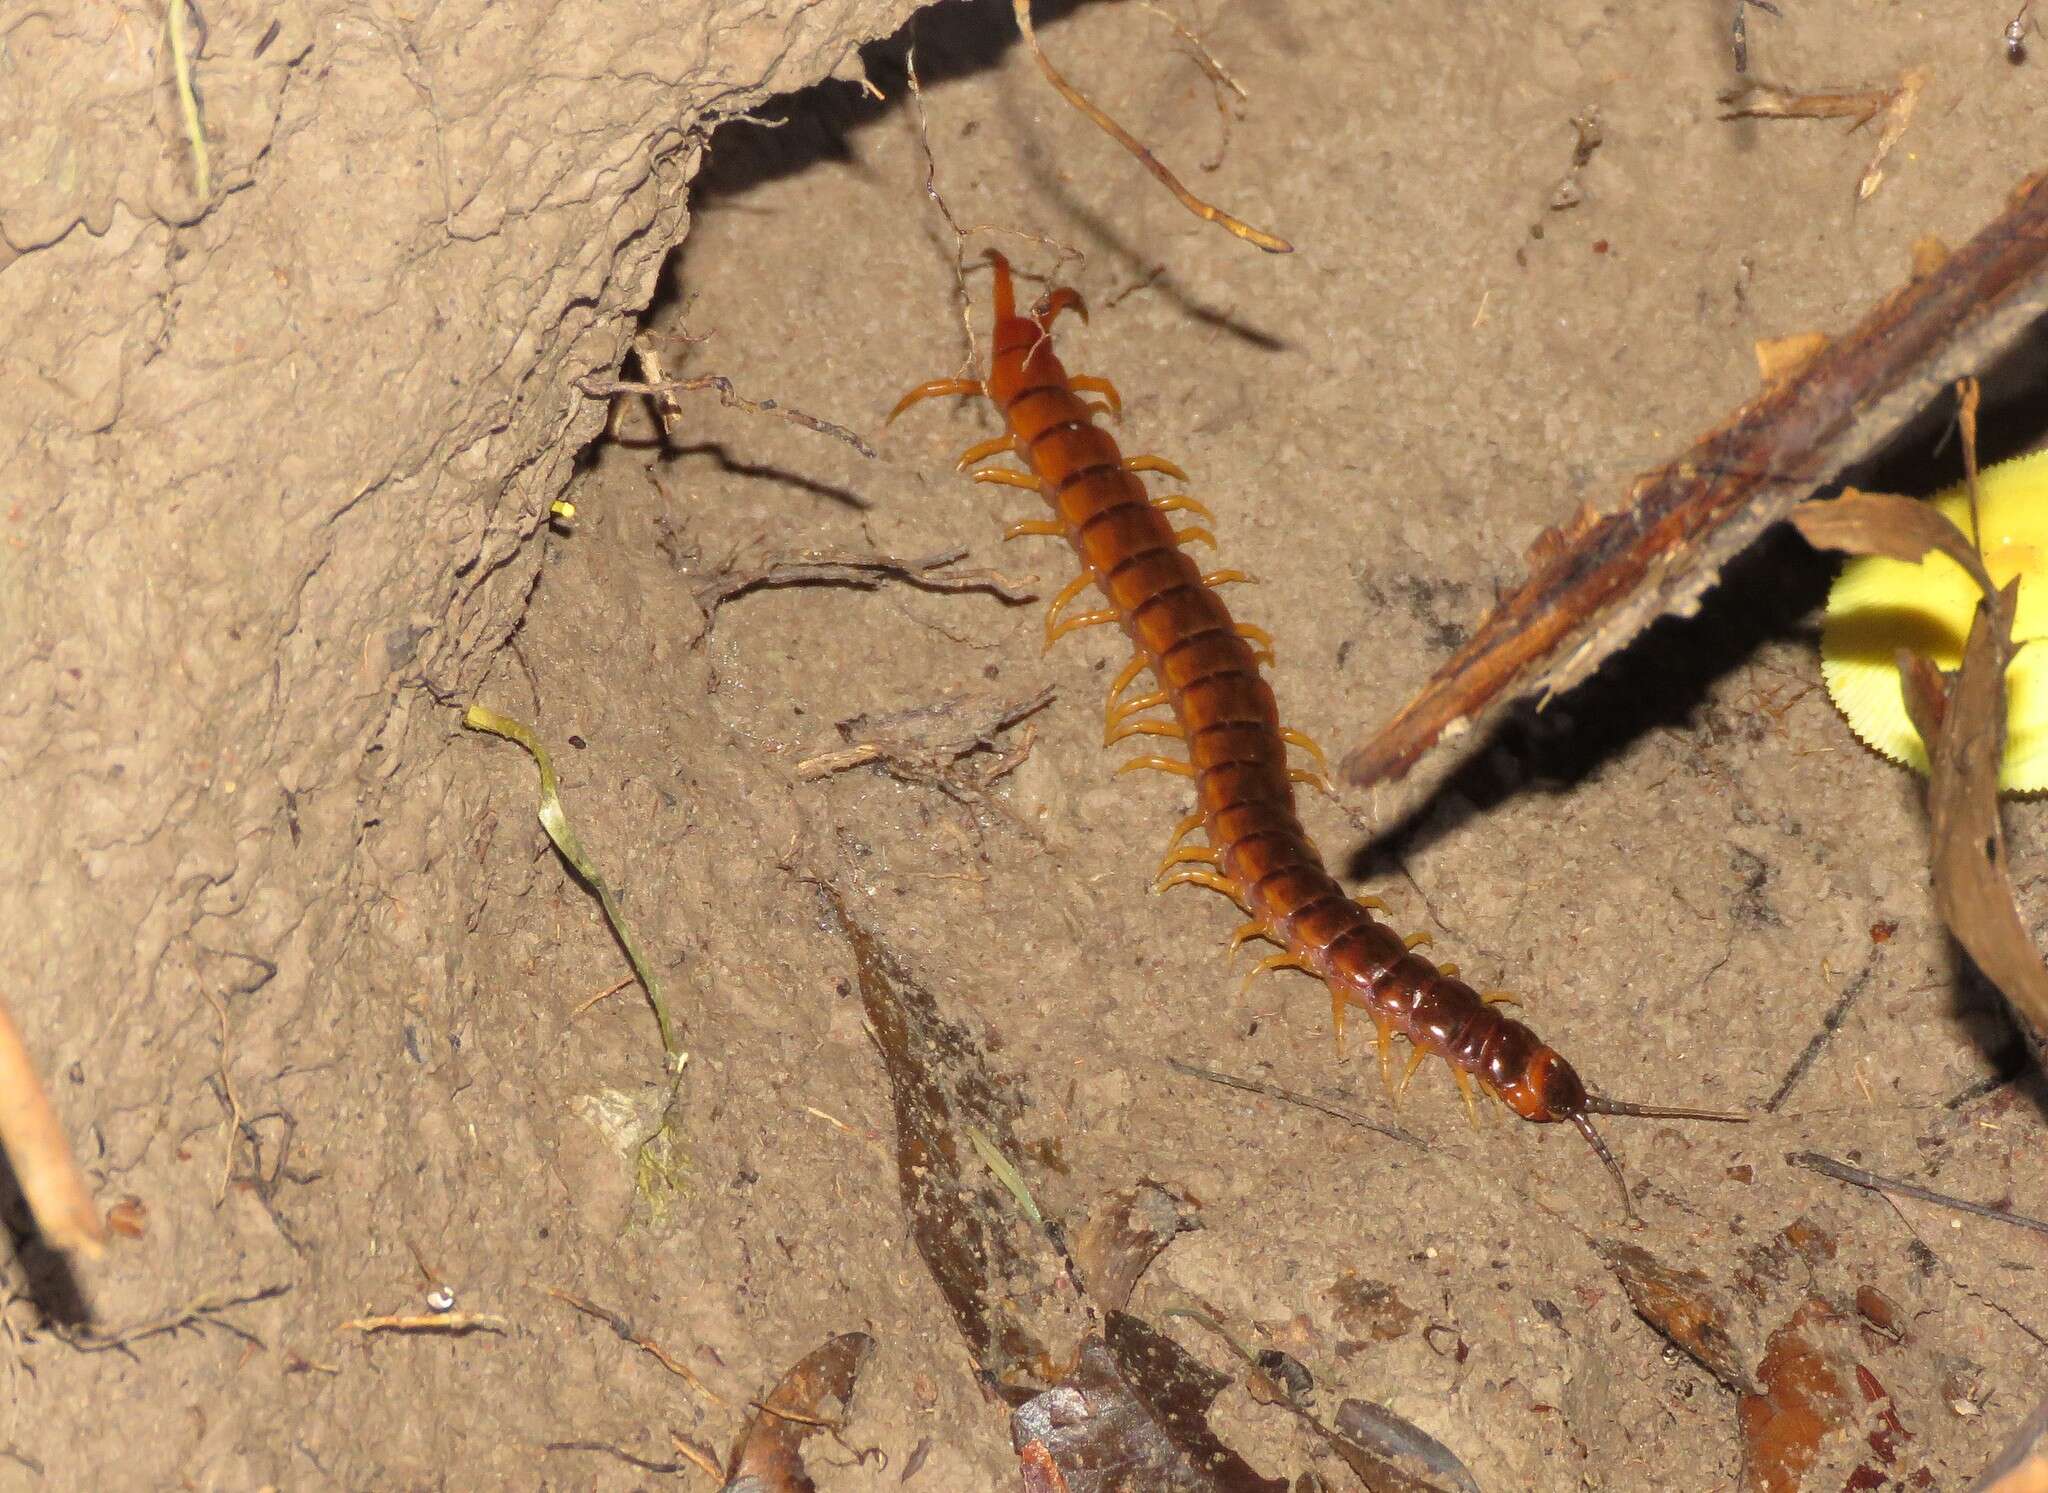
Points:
x=1856 y=1176
x=451 y=1323
x=647 y=1345
x=40 y=1154
x=1257 y=237
x=1597 y=583
x=664 y=391
x=837 y=568
x=205 y=1311
x=1288 y=1096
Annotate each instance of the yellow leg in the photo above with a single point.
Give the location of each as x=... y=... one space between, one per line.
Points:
x=1370 y=904
x=938 y=388
x=1500 y=998
x=1031 y=526
x=1448 y=971
x=1118 y=713
x=1418 y=940
x=1088 y=383
x=1415 y=1060
x=984 y=450
x=1062 y=601
x=1180 y=502
x=1296 y=738
x=1007 y=478
x=1181 y=855
x=1074 y=624
x=1256 y=928
x=1158 y=764
x=1209 y=879
x=1192 y=533
x=1260 y=639
x=1386 y=1046
x=1230 y=578
x=1337 y=1014
x=1271 y=961
x=1465 y=1092
x=1185 y=828
x=1313 y=779
x=1154 y=464
x=1169 y=729
x=1127 y=676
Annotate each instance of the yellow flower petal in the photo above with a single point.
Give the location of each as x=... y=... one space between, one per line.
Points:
x=1878 y=606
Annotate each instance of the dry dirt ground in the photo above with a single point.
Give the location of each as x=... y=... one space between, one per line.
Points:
x=1702 y=888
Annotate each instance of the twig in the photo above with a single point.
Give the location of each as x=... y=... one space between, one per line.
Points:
x=204 y=1312
x=664 y=391
x=1856 y=1176
x=1288 y=1096
x=1599 y=580
x=628 y=1333
x=1255 y=236
x=837 y=568
x=612 y=1451
x=453 y=1324
x=36 y=1147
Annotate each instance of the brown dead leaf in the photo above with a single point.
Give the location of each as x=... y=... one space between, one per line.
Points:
x=1972 y=889
x=1393 y=1455
x=1685 y=1309
x=1125 y=1234
x=999 y=1273
x=813 y=1396
x=1100 y=1433
x=1882 y=523
x=1801 y=1400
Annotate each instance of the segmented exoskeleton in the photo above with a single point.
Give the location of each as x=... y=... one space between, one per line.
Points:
x=1205 y=672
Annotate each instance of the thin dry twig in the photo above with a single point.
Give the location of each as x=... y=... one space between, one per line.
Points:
x=1856 y=1176
x=628 y=1333
x=40 y=1154
x=1288 y=1096
x=1065 y=253
x=203 y=1311
x=1257 y=237
x=666 y=1468
x=1223 y=83
x=453 y=1324
x=663 y=392
x=841 y=568
x=1896 y=103
x=910 y=745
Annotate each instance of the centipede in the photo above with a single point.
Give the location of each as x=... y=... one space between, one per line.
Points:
x=1207 y=692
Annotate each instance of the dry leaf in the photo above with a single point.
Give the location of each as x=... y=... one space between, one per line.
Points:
x=813 y=1396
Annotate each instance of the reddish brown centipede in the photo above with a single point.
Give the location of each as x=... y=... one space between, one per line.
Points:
x=1205 y=669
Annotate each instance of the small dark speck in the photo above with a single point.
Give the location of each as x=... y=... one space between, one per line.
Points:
x=412 y=1044
x=1548 y=1311
x=1599 y=246
x=1343 y=652
x=455 y=1041
x=843 y=988
x=1991 y=848
x=991 y=671
x=269 y=36
x=578 y=742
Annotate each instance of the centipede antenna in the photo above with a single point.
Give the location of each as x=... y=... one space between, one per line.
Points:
x=1598 y=1106
x=1585 y=1128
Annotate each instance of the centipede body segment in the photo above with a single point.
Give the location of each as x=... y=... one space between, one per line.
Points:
x=1207 y=693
